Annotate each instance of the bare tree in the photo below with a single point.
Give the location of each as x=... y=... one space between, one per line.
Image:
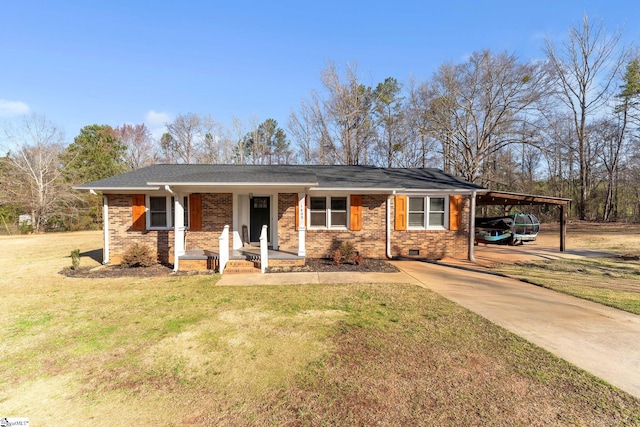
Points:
x=584 y=69
x=420 y=150
x=223 y=144
x=349 y=111
x=32 y=177
x=477 y=108
x=141 y=149
x=189 y=138
x=237 y=133
x=626 y=114
x=300 y=126
x=339 y=128
x=311 y=130
x=558 y=151
x=215 y=146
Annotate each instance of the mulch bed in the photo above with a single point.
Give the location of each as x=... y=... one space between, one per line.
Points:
x=159 y=270
x=114 y=271
x=327 y=265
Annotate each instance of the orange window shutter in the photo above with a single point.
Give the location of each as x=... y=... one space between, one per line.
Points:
x=356 y=212
x=455 y=212
x=139 y=212
x=401 y=212
x=195 y=212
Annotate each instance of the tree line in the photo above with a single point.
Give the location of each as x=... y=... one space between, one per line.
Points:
x=565 y=125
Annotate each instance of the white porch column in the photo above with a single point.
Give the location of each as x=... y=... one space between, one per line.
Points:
x=178 y=230
x=105 y=227
x=238 y=206
x=264 y=250
x=223 y=245
x=302 y=235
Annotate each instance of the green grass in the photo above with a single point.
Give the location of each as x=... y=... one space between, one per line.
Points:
x=610 y=281
x=183 y=351
x=307 y=354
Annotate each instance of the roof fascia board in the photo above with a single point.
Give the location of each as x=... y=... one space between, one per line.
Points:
x=234 y=184
x=116 y=188
x=441 y=191
x=397 y=190
x=366 y=189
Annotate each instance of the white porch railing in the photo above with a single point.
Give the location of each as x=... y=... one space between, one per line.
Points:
x=223 y=242
x=264 y=249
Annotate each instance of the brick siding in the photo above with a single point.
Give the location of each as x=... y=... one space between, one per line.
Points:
x=121 y=234
x=433 y=244
x=287 y=232
x=217 y=211
x=370 y=241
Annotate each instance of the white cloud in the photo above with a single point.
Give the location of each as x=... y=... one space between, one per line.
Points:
x=154 y=118
x=156 y=121
x=13 y=108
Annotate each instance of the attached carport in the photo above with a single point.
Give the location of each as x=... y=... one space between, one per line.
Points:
x=508 y=200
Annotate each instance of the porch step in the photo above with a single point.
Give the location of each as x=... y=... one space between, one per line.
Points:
x=233 y=270
x=240 y=266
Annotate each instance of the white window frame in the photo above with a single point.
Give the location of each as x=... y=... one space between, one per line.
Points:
x=169 y=201
x=426 y=202
x=329 y=226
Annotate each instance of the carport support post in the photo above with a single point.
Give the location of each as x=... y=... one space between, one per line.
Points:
x=563 y=227
x=472 y=227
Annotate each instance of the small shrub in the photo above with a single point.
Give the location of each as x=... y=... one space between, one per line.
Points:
x=348 y=250
x=357 y=259
x=347 y=253
x=75 y=259
x=337 y=257
x=138 y=255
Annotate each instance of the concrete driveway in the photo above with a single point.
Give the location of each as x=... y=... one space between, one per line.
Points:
x=488 y=255
x=602 y=340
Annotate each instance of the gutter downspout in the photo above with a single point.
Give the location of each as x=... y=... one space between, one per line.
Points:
x=389 y=227
x=472 y=227
x=105 y=228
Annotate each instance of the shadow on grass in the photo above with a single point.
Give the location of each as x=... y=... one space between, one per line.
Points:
x=95 y=254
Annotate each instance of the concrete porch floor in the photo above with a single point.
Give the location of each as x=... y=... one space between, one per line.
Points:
x=238 y=254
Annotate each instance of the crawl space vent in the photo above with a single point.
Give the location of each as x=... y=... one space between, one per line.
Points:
x=414 y=251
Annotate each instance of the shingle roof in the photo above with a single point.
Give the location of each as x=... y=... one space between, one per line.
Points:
x=318 y=176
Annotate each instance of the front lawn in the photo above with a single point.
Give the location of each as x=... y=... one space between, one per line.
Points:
x=182 y=351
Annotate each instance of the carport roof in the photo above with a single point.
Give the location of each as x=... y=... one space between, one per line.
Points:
x=505 y=198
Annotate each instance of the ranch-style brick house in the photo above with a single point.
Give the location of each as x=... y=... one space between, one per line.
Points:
x=200 y=216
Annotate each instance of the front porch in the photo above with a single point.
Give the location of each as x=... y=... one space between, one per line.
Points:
x=243 y=260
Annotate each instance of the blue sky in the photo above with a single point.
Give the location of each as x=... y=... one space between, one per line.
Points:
x=114 y=62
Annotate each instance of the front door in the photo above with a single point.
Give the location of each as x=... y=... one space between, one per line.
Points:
x=259 y=215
